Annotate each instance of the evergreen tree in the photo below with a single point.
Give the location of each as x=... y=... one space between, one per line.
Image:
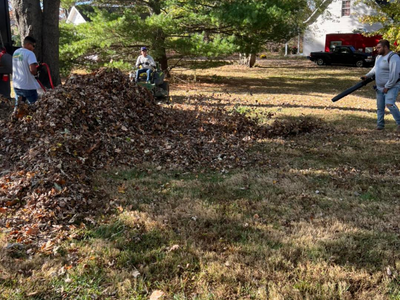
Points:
x=192 y=27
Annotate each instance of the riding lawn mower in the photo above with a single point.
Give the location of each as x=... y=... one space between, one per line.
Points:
x=157 y=86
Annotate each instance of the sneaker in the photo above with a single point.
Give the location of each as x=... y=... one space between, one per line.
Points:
x=380 y=128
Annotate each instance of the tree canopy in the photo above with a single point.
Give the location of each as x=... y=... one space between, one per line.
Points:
x=388 y=14
x=189 y=27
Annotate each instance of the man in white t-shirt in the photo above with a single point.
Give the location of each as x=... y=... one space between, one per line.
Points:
x=147 y=63
x=24 y=70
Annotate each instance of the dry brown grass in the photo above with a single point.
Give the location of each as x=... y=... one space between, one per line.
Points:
x=316 y=216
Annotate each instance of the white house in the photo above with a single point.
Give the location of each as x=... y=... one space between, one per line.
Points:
x=340 y=16
x=80 y=14
x=75 y=17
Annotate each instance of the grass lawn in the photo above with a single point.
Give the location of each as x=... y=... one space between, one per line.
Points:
x=314 y=216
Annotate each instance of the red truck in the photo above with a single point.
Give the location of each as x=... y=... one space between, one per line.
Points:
x=360 y=42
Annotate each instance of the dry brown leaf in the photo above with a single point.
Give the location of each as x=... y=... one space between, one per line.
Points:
x=48 y=247
x=157 y=295
x=32 y=231
x=173 y=248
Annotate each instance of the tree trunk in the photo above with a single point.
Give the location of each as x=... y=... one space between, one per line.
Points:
x=43 y=26
x=252 y=60
x=160 y=51
x=51 y=37
x=159 y=40
x=164 y=64
x=28 y=15
x=247 y=59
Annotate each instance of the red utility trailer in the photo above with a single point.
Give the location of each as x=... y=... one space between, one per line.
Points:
x=6 y=50
x=360 y=42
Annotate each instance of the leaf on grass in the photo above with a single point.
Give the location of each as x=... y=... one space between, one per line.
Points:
x=122 y=189
x=156 y=295
x=48 y=247
x=173 y=248
x=135 y=273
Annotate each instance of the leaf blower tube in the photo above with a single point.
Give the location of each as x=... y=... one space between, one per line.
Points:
x=46 y=66
x=352 y=89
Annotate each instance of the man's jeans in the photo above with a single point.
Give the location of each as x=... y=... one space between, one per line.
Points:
x=140 y=71
x=384 y=99
x=30 y=95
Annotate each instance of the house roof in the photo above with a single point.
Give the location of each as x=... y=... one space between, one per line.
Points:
x=85 y=11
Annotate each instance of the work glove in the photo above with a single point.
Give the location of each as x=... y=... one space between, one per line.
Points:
x=39 y=67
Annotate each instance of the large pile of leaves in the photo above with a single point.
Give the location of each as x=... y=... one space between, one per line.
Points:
x=5 y=107
x=49 y=154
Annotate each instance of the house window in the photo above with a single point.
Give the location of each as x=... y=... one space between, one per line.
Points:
x=345 y=8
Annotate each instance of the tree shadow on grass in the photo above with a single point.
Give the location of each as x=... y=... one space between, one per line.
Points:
x=327 y=105
x=237 y=216
x=372 y=250
x=203 y=64
x=246 y=236
x=306 y=64
x=146 y=250
x=344 y=140
x=282 y=85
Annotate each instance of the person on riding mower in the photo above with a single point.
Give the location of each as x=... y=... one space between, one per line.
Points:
x=147 y=63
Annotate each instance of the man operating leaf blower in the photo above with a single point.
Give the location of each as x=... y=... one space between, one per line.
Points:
x=386 y=72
